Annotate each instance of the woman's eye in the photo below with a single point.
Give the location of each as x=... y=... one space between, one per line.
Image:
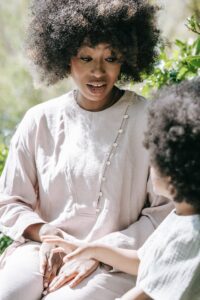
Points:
x=86 y=58
x=111 y=59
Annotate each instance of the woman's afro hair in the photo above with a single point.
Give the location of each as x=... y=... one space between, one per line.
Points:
x=173 y=138
x=58 y=28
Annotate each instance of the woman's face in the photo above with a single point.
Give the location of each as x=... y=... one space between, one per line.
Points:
x=95 y=71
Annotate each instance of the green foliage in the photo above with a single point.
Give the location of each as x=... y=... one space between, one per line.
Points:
x=182 y=63
x=4 y=240
x=3 y=155
x=18 y=93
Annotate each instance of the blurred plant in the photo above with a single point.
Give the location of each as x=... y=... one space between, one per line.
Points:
x=4 y=240
x=182 y=63
x=193 y=24
x=3 y=155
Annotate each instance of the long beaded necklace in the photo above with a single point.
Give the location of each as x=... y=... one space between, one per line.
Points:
x=108 y=160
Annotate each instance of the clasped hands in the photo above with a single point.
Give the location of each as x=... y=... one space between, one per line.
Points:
x=58 y=269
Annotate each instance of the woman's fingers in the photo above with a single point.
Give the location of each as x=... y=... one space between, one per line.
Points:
x=59 y=251
x=43 y=261
x=77 y=279
x=60 y=280
x=83 y=274
x=73 y=271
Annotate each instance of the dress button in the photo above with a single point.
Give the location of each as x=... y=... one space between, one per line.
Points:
x=100 y=194
x=108 y=163
x=97 y=210
x=120 y=130
x=126 y=116
x=115 y=145
x=103 y=178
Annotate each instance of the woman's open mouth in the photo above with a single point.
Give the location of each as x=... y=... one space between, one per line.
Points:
x=97 y=87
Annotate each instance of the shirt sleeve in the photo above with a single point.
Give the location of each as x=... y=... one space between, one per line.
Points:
x=18 y=183
x=152 y=215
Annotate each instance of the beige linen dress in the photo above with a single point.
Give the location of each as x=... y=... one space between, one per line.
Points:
x=86 y=173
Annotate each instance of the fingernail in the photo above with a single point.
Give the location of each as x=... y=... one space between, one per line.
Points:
x=45 y=284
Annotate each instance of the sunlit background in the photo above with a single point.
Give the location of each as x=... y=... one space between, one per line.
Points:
x=17 y=92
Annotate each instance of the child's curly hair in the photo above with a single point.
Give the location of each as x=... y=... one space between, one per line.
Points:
x=59 y=27
x=173 y=138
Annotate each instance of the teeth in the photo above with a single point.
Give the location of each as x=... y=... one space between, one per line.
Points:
x=97 y=84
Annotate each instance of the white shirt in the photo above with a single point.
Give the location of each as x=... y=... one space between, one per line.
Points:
x=170 y=260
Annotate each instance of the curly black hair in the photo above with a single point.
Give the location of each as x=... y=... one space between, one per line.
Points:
x=173 y=138
x=59 y=27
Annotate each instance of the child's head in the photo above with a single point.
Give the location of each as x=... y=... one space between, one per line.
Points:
x=58 y=28
x=173 y=139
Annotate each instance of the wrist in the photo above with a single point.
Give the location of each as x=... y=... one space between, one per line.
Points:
x=48 y=229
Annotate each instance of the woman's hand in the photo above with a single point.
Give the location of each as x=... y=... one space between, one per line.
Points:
x=74 y=272
x=52 y=251
x=50 y=262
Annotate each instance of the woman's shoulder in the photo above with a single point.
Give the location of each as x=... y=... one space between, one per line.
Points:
x=137 y=102
x=51 y=107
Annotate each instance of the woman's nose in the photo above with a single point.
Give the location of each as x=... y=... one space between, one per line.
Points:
x=98 y=69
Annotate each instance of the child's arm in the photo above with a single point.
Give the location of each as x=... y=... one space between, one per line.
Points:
x=135 y=294
x=121 y=259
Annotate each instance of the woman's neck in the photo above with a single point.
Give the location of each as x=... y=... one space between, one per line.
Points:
x=115 y=95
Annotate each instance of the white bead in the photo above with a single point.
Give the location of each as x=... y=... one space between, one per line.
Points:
x=103 y=178
x=108 y=163
x=100 y=194
x=115 y=145
x=126 y=116
x=97 y=210
x=120 y=130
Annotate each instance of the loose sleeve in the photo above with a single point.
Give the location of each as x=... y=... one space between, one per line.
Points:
x=18 y=183
x=154 y=212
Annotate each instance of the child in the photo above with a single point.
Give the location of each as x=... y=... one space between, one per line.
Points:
x=168 y=264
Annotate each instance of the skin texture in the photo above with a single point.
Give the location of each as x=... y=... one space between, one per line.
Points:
x=95 y=71
x=122 y=259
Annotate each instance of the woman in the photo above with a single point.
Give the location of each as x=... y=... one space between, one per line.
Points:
x=76 y=167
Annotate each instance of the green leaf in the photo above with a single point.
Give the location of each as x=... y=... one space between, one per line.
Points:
x=182 y=72
x=194 y=60
x=197 y=46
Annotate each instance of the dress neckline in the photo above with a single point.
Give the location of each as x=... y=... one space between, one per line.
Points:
x=125 y=95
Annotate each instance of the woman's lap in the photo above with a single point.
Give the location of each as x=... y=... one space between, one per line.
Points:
x=100 y=285
x=20 y=280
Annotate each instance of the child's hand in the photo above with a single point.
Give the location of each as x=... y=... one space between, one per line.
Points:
x=84 y=252
x=60 y=245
